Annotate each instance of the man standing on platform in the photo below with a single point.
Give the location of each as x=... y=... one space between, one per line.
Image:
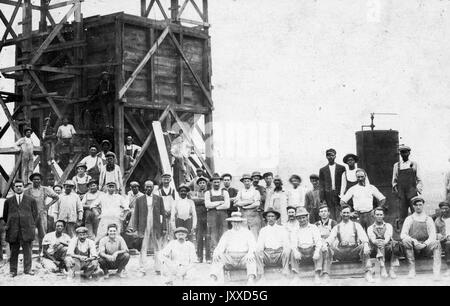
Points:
x=65 y=135
x=249 y=200
x=25 y=144
x=330 y=178
x=131 y=152
x=93 y=163
x=20 y=213
x=312 y=199
x=406 y=181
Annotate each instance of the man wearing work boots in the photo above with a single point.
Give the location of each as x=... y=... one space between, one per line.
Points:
x=443 y=231
x=353 y=242
x=419 y=238
x=272 y=248
x=380 y=236
x=81 y=255
x=306 y=245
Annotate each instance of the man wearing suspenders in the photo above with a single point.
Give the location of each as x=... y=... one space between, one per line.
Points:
x=168 y=194
x=353 y=242
x=325 y=225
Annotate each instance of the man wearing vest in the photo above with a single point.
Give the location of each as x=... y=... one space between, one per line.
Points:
x=353 y=243
x=325 y=225
x=217 y=202
x=406 y=181
x=169 y=195
x=419 y=238
x=380 y=236
x=443 y=231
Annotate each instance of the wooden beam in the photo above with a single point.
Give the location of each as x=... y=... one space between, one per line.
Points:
x=143 y=8
x=12 y=175
x=181 y=75
x=45 y=92
x=4 y=174
x=14 y=3
x=200 y=13
x=13 y=17
x=14 y=150
x=161 y=8
x=7 y=125
x=149 y=8
x=194 y=74
x=69 y=168
x=7 y=25
x=199 y=23
x=188 y=137
x=182 y=8
x=162 y=148
x=161 y=105
x=55 y=172
x=10 y=118
x=142 y=64
x=55 y=70
x=209 y=141
x=36 y=162
x=53 y=34
x=205 y=11
x=62 y=4
x=53 y=23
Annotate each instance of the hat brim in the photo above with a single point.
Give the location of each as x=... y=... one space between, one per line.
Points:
x=184 y=188
x=181 y=231
x=215 y=179
x=346 y=157
x=259 y=176
x=276 y=213
x=245 y=178
x=35 y=174
x=200 y=180
x=82 y=166
x=92 y=182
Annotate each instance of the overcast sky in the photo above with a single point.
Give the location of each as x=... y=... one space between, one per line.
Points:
x=293 y=78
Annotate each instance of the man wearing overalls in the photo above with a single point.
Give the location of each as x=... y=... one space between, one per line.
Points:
x=217 y=202
x=202 y=239
x=81 y=180
x=419 y=238
x=169 y=195
x=325 y=225
x=406 y=181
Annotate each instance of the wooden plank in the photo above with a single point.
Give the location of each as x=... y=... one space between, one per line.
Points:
x=10 y=118
x=7 y=25
x=209 y=141
x=53 y=34
x=188 y=137
x=190 y=21
x=36 y=162
x=162 y=148
x=205 y=11
x=143 y=63
x=181 y=75
x=55 y=171
x=143 y=7
x=194 y=74
x=62 y=4
x=161 y=105
x=53 y=23
x=69 y=168
x=14 y=150
x=55 y=70
x=12 y=175
x=14 y=3
x=119 y=112
x=44 y=91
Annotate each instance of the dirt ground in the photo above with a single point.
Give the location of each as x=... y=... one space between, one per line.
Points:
x=199 y=278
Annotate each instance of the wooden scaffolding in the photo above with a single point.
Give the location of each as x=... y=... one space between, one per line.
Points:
x=160 y=70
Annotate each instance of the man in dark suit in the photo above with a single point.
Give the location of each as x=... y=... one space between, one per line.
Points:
x=330 y=178
x=149 y=221
x=20 y=214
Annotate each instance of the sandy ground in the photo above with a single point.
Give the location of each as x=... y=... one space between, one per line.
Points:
x=199 y=278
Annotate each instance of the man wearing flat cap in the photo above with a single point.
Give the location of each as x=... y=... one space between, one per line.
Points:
x=419 y=238
x=272 y=247
x=248 y=200
x=69 y=208
x=41 y=194
x=443 y=231
x=330 y=179
x=235 y=251
x=82 y=255
x=406 y=181
x=183 y=212
x=111 y=173
x=312 y=199
x=178 y=257
x=277 y=200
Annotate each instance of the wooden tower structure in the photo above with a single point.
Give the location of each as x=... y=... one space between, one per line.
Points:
x=157 y=75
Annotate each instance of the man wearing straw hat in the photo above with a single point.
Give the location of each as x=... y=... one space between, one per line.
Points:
x=248 y=200
x=235 y=251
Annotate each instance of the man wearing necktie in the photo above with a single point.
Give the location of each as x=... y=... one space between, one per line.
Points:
x=20 y=214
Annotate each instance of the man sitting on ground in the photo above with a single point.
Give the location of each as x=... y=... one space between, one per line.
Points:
x=306 y=245
x=113 y=252
x=55 y=248
x=178 y=257
x=443 y=231
x=419 y=238
x=236 y=250
x=353 y=242
x=81 y=255
x=272 y=248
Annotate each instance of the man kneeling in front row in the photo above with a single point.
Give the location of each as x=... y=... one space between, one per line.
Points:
x=353 y=242
x=55 y=248
x=272 y=248
x=81 y=255
x=419 y=238
x=235 y=250
x=113 y=252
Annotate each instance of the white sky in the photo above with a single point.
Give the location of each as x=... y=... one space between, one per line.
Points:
x=292 y=78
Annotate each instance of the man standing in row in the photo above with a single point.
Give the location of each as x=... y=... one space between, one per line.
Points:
x=183 y=212
x=232 y=192
x=111 y=173
x=296 y=195
x=312 y=199
x=277 y=200
x=248 y=200
x=256 y=178
x=330 y=178
x=201 y=237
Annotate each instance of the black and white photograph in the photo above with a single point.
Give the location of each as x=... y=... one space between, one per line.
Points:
x=214 y=144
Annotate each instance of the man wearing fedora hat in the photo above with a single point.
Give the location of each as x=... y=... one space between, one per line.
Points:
x=248 y=200
x=277 y=200
x=81 y=180
x=272 y=247
x=111 y=173
x=92 y=208
x=217 y=202
x=306 y=245
x=442 y=223
x=26 y=146
x=82 y=255
x=256 y=178
x=235 y=250
x=40 y=194
x=201 y=237
x=419 y=238
x=183 y=211
x=330 y=179
x=69 y=208
x=406 y=181
x=312 y=199
x=178 y=257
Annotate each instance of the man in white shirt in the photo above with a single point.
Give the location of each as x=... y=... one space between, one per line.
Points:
x=248 y=201
x=25 y=144
x=217 y=203
x=69 y=208
x=183 y=212
x=65 y=135
x=131 y=152
x=93 y=163
x=419 y=238
x=296 y=195
x=111 y=173
x=406 y=181
x=362 y=195
x=55 y=246
x=235 y=251
x=353 y=243
x=380 y=237
x=325 y=225
x=82 y=255
x=92 y=208
x=272 y=247
x=306 y=245
x=292 y=223
x=178 y=257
